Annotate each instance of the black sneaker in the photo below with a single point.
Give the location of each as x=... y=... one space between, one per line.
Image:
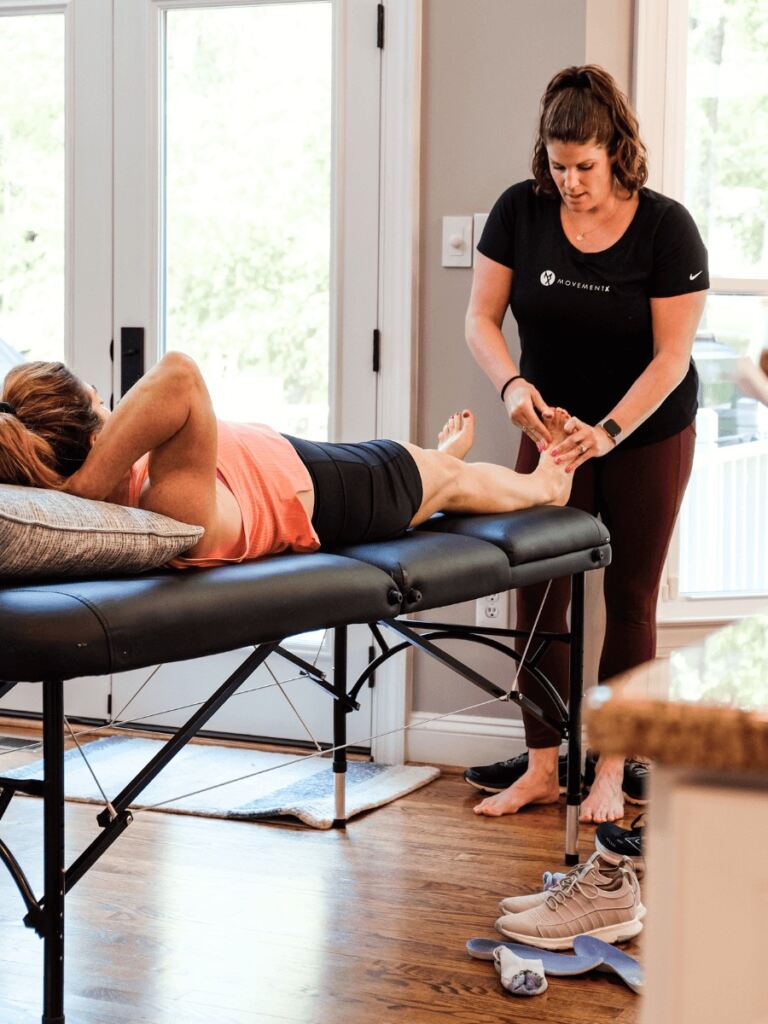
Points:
x=635 y=784
x=493 y=778
x=590 y=763
x=615 y=841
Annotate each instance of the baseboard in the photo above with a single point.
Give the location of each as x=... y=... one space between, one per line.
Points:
x=463 y=739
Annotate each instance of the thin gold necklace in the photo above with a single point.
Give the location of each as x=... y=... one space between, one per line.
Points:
x=581 y=235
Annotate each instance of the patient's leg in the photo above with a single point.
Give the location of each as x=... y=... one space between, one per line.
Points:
x=452 y=485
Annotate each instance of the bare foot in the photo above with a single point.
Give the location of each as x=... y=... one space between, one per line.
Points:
x=556 y=481
x=606 y=800
x=530 y=788
x=556 y=425
x=458 y=434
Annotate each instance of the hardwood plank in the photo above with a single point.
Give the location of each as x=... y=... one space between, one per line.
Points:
x=209 y=921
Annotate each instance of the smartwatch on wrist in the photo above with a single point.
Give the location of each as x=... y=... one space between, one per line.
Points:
x=612 y=429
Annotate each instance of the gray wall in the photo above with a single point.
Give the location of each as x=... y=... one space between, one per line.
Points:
x=485 y=66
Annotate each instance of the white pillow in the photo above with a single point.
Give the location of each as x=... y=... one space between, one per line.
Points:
x=49 y=533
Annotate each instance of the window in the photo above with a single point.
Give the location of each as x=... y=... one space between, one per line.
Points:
x=702 y=98
x=32 y=210
x=248 y=206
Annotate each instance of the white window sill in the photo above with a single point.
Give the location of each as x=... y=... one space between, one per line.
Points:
x=682 y=623
x=713 y=610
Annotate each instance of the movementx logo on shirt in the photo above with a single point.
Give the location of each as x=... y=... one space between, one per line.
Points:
x=549 y=277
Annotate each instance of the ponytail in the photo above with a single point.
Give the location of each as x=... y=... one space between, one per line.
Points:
x=25 y=457
x=47 y=423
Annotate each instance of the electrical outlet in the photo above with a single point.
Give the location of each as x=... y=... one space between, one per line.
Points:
x=493 y=610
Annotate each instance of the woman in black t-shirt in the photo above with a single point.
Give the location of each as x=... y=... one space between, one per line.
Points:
x=607 y=282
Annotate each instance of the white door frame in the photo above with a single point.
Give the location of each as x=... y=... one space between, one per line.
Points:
x=398 y=302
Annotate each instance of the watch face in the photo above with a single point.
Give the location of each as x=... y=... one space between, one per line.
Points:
x=612 y=428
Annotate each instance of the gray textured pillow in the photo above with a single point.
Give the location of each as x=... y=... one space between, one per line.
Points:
x=48 y=533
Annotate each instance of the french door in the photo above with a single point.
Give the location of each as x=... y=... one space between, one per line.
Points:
x=55 y=213
x=219 y=198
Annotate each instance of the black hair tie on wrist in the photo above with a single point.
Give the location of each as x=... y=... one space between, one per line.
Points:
x=7 y=407
x=518 y=376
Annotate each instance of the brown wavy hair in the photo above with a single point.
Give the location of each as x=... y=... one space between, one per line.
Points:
x=585 y=103
x=47 y=435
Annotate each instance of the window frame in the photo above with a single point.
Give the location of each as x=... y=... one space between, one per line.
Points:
x=659 y=93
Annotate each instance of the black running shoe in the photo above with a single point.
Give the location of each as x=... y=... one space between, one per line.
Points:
x=590 y=763
x=495 y=777
x=615 y=841
x=635 y=784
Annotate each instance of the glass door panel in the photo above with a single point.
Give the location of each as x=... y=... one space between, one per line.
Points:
x=726 y=119
x=32 y=188
x=56 y=217
x=246 y=274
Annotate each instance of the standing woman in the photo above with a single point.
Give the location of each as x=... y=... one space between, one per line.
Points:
x=607 y=282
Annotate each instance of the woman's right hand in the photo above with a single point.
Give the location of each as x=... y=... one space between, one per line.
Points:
x=528 y=411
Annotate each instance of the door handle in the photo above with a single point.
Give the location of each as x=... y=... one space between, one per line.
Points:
x=131 y=357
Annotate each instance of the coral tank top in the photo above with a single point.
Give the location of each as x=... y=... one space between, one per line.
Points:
x=264 y=473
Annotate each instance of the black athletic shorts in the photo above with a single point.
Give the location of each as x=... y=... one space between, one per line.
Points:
x=365 y=491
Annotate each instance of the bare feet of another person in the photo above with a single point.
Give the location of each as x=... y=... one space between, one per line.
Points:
x=458 y=434
x=606 y=799
x=539 y=785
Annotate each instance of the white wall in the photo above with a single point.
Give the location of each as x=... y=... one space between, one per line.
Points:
x=485 y=66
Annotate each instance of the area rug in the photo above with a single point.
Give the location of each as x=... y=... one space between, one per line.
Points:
x=303 y=789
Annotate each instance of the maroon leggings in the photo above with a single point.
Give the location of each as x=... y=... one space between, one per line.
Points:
x=637 y=493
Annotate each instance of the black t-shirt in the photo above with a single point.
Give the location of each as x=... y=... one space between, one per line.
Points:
x=585 y=318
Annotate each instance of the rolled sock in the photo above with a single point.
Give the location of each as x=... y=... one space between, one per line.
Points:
x=519 y=976
x=551 y=879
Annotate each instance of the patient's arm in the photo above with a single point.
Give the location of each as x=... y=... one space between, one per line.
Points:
x=155 y=409
x=168 y=413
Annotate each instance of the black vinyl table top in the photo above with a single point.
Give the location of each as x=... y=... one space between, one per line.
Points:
x=64 y=628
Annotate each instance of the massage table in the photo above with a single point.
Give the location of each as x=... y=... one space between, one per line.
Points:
x=56 y=630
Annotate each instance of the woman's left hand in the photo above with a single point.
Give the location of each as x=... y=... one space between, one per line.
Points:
x=584 y=442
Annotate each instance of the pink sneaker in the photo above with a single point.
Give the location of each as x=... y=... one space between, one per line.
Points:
x=605 y=865
x=589 y=905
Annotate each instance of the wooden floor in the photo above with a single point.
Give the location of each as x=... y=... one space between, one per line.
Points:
x=202 y=921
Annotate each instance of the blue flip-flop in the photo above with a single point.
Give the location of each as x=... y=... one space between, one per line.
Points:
x=557 y=964
x=612 y=959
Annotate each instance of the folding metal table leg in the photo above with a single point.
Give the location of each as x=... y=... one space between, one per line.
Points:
x=576 y=673
x=53 y=846
x=340 y=724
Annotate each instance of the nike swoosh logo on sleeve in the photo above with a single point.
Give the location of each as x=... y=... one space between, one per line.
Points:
x=692 y=277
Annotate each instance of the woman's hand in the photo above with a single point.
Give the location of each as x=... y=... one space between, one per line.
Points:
x=582 y=444
x=84 y=483
x=524 y=404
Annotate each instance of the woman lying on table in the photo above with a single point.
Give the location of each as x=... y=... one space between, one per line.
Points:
x=254 y=491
